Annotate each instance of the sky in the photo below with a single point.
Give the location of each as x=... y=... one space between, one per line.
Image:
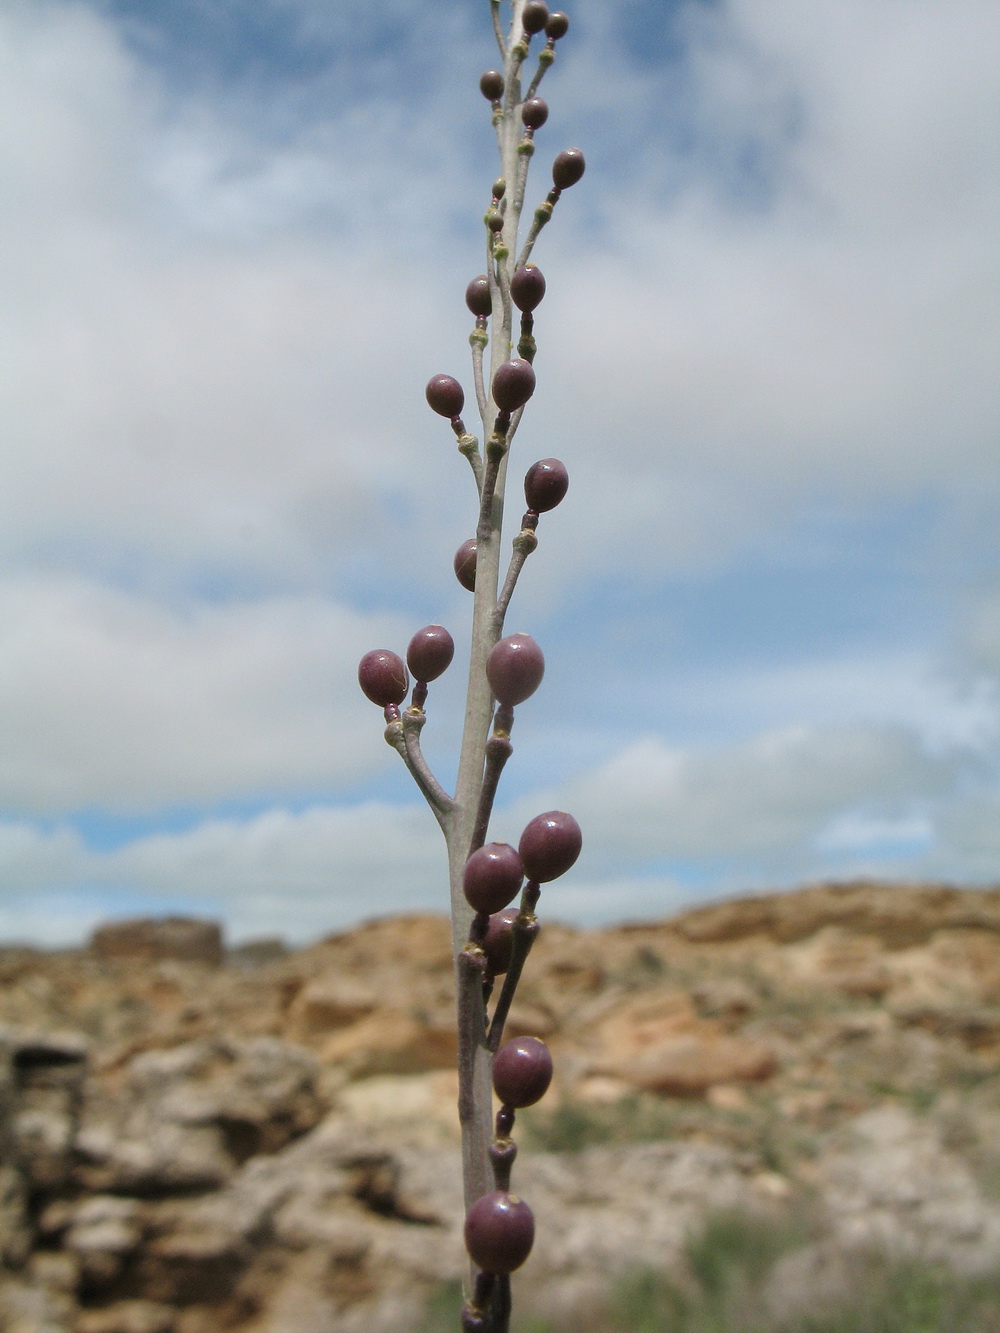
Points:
x=234 y=242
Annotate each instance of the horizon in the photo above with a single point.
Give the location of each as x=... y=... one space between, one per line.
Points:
x=232 y=945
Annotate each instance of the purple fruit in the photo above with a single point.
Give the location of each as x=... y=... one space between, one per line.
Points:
x=430 y=652
x=549 y=845
x=535 y=112
x=499 y=941
x=499 y=1232
x=445 y=395
x=513 y=384
x=534 y=16
x=477 y=296
x=492 y=877
x=557 y=25
x=514 y=669
x=545 y=484
x=465 y=564
x=491 y=85
x=383 y=677
x=568 y=167
x=527 y=287
x=522 y=1071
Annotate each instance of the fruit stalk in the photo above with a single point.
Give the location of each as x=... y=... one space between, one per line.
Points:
x=489 y=938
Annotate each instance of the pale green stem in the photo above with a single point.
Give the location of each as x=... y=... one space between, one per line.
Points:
x=476 y=1091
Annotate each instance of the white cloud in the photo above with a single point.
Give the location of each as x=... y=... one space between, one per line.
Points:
x=841 y=340
x=765 y=801
x=111 y=699
x=296 y=875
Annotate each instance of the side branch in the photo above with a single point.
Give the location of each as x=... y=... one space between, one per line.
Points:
x=524 y=543
x=524 y=933
x=498 y=28
x=498 y=751
x=404 y=736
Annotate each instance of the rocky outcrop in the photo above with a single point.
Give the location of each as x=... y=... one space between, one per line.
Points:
x=267 y=1140
x=155 y=941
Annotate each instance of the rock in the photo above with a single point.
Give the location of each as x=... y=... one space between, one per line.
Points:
x=392 y=1041
x=267 y=1143
x=44 y=1083
x=658 y=1043
x=689 y=1064
x=103 y=1231
x=897 y=917
x=893 y=1186
x=192 y=1114
x=257 y=953
x=129 y=1317
x=26 y=1308
x=157 y=940
x=328 y=1005
x=418 y=1106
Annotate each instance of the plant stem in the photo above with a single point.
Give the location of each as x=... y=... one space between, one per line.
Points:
x=475 y=1059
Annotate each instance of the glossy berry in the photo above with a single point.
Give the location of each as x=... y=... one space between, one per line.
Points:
x=499 y=941
x=477 y=296
x=545 y=484
x=557 y=25
x=491 y=85
x=522 y=1071
x=549 y=845
x=465 y=564
x=568 y=167
x=535 y=112
x=513 y=384
x=445 y=395
x=514 y=669
x=527 y=287
x=492 y=877
x=534 y=16
x=430 y=652
x=499 y=1232
x=383 y=677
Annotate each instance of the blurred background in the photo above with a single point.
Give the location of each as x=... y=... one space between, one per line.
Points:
x=235 y=242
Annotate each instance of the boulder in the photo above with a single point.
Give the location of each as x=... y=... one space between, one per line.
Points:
x=156 y=940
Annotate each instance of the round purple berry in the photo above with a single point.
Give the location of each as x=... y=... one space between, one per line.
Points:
x=430 y=652
x=383 y=677
x=477 y=296
x=557 y=25
x=514 y=669
x=522 y=1071
x=535 y=112
x=534 y=16
x=491 y=85
x=545 y=484
x=498 y=941
x=527 y=287
x=465 y=564
x=499 y=1232
x=492 y=877
x=568 y=167
x=445 y=395
x=549 y=845
x=513 y=384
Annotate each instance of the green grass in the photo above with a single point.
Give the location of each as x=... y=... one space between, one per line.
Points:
x=576 y=1125
x=728 y=1263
